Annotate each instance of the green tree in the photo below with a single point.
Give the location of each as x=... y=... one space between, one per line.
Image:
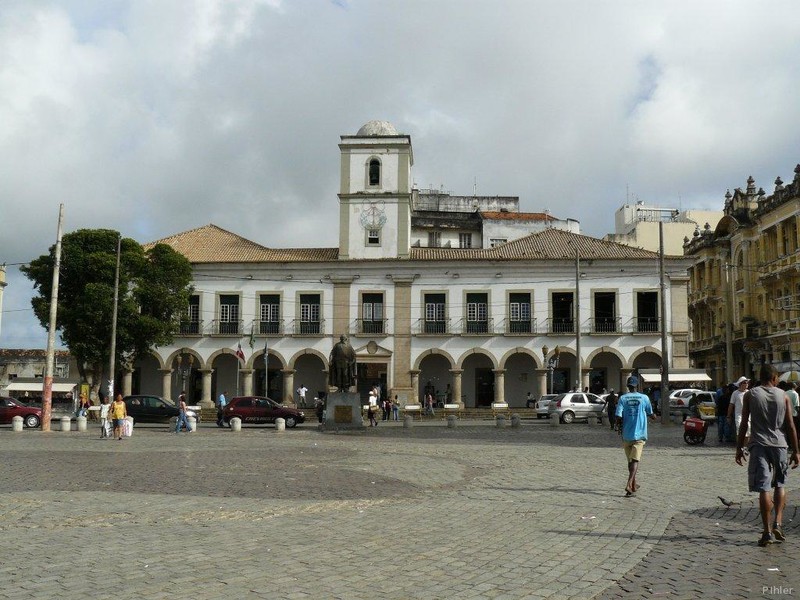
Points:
x=154 y=288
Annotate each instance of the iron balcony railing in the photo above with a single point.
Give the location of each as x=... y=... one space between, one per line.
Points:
x=423 y=327
x=561 y=326
x=310 y=328
x=268 y=327
x=646 y=325
x=520 y=327
x=186 y=327
x=485 y=327
x=370 y=327
x=219 y=327
x=605 y=325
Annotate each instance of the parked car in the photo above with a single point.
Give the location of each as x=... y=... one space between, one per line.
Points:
x=679 y=400
x=576 y=406
x=149 y=409
x=706 y=405
x=258 y=410
x=542 y=405
x=11 y=407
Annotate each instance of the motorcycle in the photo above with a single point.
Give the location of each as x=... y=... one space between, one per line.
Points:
x=694 y=431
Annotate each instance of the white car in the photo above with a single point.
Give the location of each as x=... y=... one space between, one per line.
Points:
x=679 y=400
x=543 y=404
x=577 y=406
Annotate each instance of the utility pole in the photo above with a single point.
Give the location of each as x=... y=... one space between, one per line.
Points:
x=579 y=380
x=728 y=324
x=47 y=393
x=111 y=360
x=664 y=348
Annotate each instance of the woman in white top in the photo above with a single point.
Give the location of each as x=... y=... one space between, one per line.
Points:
x=372 y=409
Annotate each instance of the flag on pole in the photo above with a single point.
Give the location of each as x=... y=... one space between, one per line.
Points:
x=252 y=337
x=240 y=352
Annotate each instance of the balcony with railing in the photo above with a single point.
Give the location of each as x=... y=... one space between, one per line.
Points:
x=308 y=328
x=518 y=327
x=440 y=327
x=605 y=325
x=646 y=325
x=485 y=327
x=220 y=327
x=188 y=328
x=370 y=327
x=268 y=327
x=560 y=326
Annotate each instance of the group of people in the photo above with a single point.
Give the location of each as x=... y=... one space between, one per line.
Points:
x=390 y=410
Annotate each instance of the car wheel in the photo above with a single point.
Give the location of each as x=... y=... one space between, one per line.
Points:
x=290 y=422
x=568 y=417
x=31 y=421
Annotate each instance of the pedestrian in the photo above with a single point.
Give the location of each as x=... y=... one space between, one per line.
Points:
x=429 y=405
x=633 y=410
x=771 y=433
x=105 y=426
x=611 y=408
x=387 y=409
x=372 y=408
x=118 y=415
x=736 y=405
x=182 y=420
x=530 y=401
x=319 y=408
x=301 y=395
x=83 y=405
x=396 y=409
x=222 y=401
x=795 y=400
x=722 y=402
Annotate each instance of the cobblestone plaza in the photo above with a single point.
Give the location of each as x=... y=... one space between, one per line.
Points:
x=427 y=512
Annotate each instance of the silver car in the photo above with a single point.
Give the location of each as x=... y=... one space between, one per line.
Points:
x=577 y=406
x=543 y=404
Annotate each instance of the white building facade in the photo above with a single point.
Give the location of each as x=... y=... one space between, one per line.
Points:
x=472 y=325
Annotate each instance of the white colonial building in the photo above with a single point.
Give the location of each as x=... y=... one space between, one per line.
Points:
x=474 y=324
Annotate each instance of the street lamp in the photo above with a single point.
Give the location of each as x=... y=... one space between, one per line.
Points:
x=185 y=371
x=552 y=363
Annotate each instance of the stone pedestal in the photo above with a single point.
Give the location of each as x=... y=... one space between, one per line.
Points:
x=451 y=421
x=81 y=423
x=343 y=411
x=500 y=421
x=555 y=421
x=515 y=421
x=66 y=423
x=236 y=424
x=16 y=423
x=408 y=422
x=192 y=424
x=280 y=424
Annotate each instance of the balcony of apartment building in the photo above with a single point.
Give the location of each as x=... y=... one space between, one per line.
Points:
x=439 y=326
x=467 y=327
x=271 y=327
x=519 y=327
x=369 y=327
x=227 y=327
x=604 y=325
x=707 y=342
x=308 y=328
x=189 y=327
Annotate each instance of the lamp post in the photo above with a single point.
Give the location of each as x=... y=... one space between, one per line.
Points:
x=552 y=363
x=185 y=371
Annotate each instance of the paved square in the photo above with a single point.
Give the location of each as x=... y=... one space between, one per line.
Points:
x=430 y=512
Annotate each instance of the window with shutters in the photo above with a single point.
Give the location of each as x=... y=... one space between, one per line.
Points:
x=435 y=313
x=372 y=320
x=309 y=313
x=519 y=313
x=477 y=313
x=269 y=314
x=229 y=314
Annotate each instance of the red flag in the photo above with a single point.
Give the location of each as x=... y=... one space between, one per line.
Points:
x=239 y=352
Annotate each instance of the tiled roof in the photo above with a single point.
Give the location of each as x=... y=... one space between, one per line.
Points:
x=550 y=244
x=212 y=244
x=496 y=215
x=34 y=353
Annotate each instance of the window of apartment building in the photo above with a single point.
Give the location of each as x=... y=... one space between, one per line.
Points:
x=495 y=242
x=465 y=240
x=646 y=312
x=229 y=314
x=309 y=314
x=373 y=237
x=477 y=312
x=435 y=313
x=269 y=314
x=434 y=239
x=190 y=323
x=519 y=312
x=563 y=313
x=372 y=313
x=605 y=312
x=374 y=172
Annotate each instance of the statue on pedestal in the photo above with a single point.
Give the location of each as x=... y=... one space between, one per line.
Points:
x=342 y=362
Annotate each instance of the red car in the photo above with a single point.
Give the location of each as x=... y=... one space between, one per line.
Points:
x=11 y=407
x=259 y=410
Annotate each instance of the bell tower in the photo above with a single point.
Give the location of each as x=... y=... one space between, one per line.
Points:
x=375 y=193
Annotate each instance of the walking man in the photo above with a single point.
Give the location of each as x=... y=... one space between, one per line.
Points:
x=736 y=405
x=221 y=402
x=771 y=433
x=182 y=420
x=301 y=395
x=611 y=408
x=633 y=410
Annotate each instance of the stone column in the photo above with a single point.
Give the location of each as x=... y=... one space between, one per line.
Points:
x=414 y=396
x=166 y=383
x=624 y=374
x=288 y=387
x=247 y=381
x=500 y=385
x=205 y=397
x=541 y=381
x=127 y=383
x=585 y=378
x=457 y=386
x=402 y=364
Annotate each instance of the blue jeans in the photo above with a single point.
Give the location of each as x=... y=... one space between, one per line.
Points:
x=722 y=428
x=182 y=420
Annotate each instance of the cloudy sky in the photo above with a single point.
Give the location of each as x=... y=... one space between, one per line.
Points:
x=157 y=116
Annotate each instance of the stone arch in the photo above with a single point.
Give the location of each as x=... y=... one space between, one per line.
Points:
x=317 y=353
x=521 y=350
x=171 y=358
x=426 y=353
x=481 y=351
x=216 y=354
x=258 y=354
x=161 y=362
x=606 y=350
x=639 y=352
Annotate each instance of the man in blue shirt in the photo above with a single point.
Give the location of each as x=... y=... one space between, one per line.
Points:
x=221 y=402
x=633 y=410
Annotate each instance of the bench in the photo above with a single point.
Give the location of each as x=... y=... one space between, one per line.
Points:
x=499 y=407
x=412 y=409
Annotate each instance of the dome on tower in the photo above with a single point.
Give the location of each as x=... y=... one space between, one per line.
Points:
x=377 y=128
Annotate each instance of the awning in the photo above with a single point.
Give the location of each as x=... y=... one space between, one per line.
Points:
x=39 y=386
x=676 y=376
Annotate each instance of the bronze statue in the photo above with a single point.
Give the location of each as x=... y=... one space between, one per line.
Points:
x=342 y=374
